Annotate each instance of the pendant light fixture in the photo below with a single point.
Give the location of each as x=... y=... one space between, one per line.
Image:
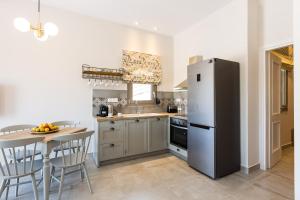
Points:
x=40 y=31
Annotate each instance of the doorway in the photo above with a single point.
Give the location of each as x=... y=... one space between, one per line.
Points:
x=280 y=105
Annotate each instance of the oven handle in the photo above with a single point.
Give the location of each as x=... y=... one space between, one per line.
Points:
x=179 y=127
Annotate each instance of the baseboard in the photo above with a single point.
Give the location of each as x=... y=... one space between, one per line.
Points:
x=108 y=162
x=249 y=170
x=285 y=146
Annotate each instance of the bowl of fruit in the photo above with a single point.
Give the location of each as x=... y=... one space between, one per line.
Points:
x=45 y=128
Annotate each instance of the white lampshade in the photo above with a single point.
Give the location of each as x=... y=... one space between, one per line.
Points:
x=22 y=24
x=50 y=29
x=43 y=38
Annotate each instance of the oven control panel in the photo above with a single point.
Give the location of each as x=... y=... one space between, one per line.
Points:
x=178 y=122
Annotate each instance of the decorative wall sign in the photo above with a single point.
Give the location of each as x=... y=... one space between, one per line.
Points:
x=141 y=67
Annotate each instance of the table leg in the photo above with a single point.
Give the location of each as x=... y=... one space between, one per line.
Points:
x=46 y=176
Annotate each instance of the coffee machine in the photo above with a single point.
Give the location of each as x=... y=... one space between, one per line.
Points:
x=103 y=111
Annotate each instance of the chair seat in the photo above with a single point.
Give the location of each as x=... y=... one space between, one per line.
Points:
x=38 y=164
x=20 y=155
x=70 y=161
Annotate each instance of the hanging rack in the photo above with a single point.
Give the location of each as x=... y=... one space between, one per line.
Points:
x=89 y=72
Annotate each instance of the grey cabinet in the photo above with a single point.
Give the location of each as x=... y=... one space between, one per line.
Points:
x=111 y=151
x=111 y=140
x=158 y=134
x=122 y=138
x=136 y=137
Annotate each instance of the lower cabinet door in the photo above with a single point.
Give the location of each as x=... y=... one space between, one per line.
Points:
x=111 y=151
x=158 y=133
x=136 y=137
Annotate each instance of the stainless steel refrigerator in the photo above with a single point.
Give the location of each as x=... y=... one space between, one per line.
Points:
x=214 y=117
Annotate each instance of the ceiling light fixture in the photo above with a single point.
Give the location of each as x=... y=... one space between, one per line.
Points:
x=136 y=23
x=40 y=31
x=155 y=28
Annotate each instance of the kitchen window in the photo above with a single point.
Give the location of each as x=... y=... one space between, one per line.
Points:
x=142 y=93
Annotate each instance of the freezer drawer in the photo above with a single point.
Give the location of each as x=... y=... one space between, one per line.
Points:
x=201 y=149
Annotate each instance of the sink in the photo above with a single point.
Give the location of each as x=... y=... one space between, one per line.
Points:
x=149 y=114
x=142 y=114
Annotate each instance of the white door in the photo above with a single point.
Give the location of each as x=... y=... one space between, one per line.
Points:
x=275 y=105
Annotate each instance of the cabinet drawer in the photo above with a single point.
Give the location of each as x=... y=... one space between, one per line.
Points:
x=111 y=151
x=111 y=123
x=110 y=134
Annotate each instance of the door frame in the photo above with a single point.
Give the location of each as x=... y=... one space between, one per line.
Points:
x=265 y=104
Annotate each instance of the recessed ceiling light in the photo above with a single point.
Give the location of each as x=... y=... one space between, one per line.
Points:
x=136 y=23
x=155 y=28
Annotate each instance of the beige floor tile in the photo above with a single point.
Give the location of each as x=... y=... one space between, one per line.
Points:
x=165 y=177
x=284 y=169
x=277 y=184
x=256 y=193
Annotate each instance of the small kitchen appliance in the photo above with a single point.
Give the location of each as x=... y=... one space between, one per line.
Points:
x=171 y=108
x=103 y=111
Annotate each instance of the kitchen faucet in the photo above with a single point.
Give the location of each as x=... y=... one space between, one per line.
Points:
x=137 y=108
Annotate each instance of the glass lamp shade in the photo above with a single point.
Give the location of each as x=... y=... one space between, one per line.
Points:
x=43 y=38
x=50 y=29
x=22 y=24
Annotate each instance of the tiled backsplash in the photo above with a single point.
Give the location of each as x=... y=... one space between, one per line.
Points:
x=101 y=96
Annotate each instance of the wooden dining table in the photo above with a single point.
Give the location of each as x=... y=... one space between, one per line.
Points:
x=47 y=145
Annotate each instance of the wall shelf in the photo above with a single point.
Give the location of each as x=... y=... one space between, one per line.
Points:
x=89 y=72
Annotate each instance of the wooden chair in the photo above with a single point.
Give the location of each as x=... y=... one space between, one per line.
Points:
x=16 y=170
x=72 y=159
x=64 y=124
x=15 y=128
x=19 y=153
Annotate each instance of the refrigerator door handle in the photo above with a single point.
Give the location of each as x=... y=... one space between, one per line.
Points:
x=200 y=126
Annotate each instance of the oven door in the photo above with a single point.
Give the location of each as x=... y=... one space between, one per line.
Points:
x=178 y=136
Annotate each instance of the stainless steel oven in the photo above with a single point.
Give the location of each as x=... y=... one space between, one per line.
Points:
x=178 y=132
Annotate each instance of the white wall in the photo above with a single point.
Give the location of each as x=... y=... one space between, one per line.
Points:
x=276 y=22
x=296 y=25
x=269 y=25
x=252 y=83
x=42 y=81
x=222 y=34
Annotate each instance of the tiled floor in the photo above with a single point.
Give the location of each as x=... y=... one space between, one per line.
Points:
x=166 y=177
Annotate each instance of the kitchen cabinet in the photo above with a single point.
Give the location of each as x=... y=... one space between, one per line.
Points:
x=136 y=137
x=109 y=141
x=158 y=134
x=111 y=151
x=129 y=137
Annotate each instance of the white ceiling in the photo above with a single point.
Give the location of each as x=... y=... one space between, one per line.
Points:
x=169 y=16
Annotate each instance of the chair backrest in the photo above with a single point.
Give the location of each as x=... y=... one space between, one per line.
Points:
x=79 y=142
x=15 y=128
x=65 y=123
x=15 y=167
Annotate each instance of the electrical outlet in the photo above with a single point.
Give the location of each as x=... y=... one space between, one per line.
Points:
x=112 y=100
